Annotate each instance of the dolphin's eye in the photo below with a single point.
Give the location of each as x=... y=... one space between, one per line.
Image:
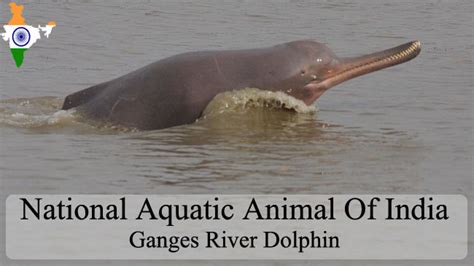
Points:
x=322 y=59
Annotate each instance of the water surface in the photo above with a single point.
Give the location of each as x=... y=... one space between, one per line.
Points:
x=407 y=129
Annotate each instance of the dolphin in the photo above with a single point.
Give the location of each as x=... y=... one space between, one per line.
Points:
x=175 y=90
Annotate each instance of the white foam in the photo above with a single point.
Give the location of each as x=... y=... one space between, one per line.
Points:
x=19 y=119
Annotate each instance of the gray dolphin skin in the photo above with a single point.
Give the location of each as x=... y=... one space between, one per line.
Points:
x=175 y=90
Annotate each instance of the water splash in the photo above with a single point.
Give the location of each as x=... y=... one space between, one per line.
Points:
x=35 y=113
x=32 y=121
x=239 y=101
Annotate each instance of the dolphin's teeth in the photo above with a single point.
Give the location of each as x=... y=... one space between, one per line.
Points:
x=411 y=49
x=404 y=53
x=416 y=45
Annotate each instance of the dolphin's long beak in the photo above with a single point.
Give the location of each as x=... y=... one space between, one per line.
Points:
x=348 y=68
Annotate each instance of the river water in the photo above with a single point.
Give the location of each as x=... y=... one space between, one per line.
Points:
x=406 y=129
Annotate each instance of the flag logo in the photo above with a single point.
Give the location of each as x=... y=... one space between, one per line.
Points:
x=21 y=36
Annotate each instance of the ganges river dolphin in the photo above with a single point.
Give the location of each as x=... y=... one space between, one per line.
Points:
x=175 y=90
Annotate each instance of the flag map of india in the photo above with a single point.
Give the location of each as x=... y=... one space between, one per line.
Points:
x=21 y=36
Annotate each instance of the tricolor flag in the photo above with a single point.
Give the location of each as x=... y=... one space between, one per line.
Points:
x=22 y=36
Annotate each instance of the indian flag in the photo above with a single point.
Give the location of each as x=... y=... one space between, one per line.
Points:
x=22 y=37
